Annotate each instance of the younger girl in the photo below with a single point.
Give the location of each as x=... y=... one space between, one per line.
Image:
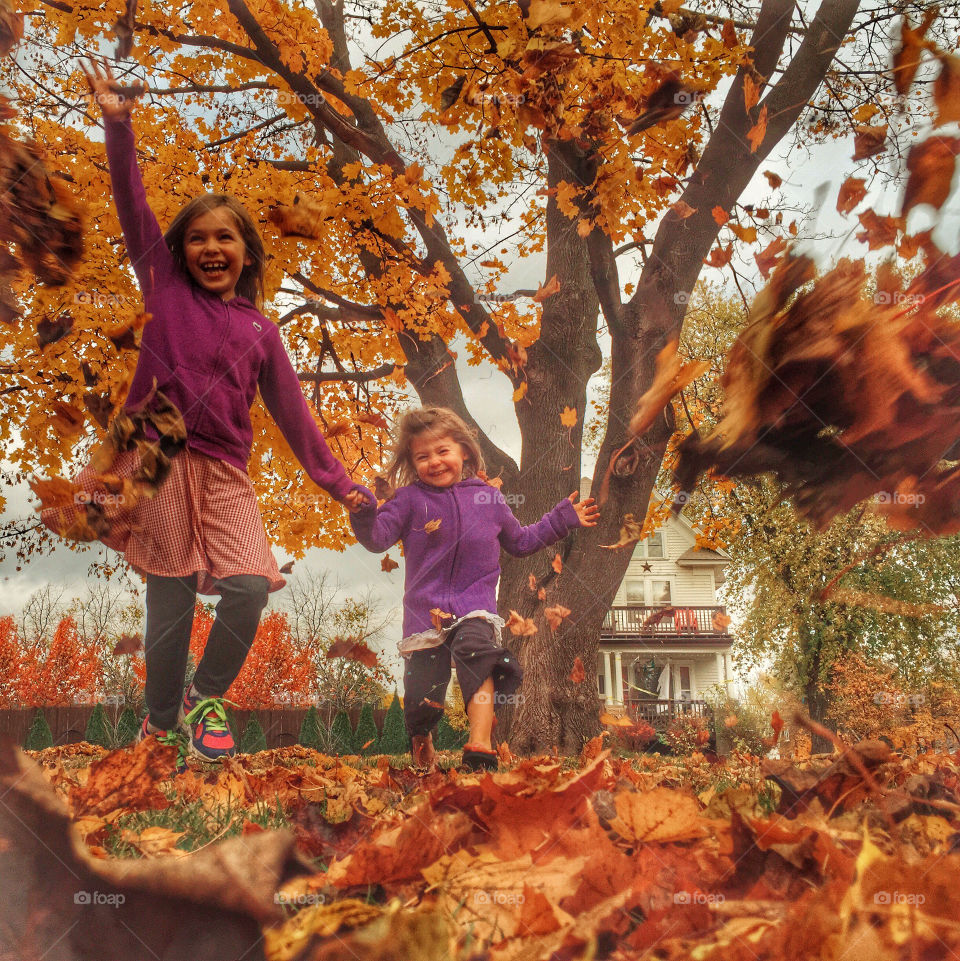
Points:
x=208 y=349
x=453 y=526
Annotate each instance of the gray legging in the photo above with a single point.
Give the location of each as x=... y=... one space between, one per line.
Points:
x=170 y=605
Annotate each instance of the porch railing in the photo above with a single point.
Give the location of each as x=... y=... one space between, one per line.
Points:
x=656 y=711
x=660 y=622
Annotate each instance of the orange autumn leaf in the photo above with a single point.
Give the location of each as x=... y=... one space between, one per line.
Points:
x=630 y=532
x=437 y=617
x=555 y=615
x=931 y=166
x=720 y=256
x=720 y=621
x=548 y=290
x=758 y=131
x=128 y=780
x=720 y=216
x=610 y=721
x=578 y=674
x=388 y=564
x=339 y=429
x=128 y=644
x=946 y=90
x=520 y=393
x=775 y=180
x=776 y=722
x=67 y=419
x=431 y=526
x=531 y=582
x=906 y=59
x=521 y=626
x=557 y=563
x=434 y=704
x=852 y=191
x=728 y=34
x=730 y=720
x=568 y=417
x=542 y=594
x=768 y=258
x=868 y=141
x=682 y=209
x=671 y=376
x=658 y=815
x=751 y=93
x=374 y=420
x=352 y=649
x=747 y=234
x=878 y=231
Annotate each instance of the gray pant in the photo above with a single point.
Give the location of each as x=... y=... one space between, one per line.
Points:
x=170 y=605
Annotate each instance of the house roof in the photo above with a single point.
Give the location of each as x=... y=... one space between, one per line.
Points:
x=702 y=555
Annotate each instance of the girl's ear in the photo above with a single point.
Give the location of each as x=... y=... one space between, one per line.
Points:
x=247 y=260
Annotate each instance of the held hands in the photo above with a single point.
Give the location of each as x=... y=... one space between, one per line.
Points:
x=587 y=510
x=355 y=501
x=115 y=101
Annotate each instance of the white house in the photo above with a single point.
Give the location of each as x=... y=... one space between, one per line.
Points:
x=665 y=640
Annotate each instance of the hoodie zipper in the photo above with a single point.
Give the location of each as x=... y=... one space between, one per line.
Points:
x=456 y=547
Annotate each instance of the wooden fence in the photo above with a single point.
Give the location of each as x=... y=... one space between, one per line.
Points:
x=281 y=726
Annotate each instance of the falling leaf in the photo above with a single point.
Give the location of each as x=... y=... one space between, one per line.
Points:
x=548 y=290
x=352 y=649
x=776 y=722
x=946 y=90
x=287 y=568
x=531 y=582
x=437 y=617
x=557 y=563
x=520 y=392
x=128 y=644
x=125 y=334
x=775 y=180
x=451 y=94
x=747 y=234
x=50 y=331
x=67 y=419
x=124 y=29
x=432 y=526
x=578 y=674
x=720 y=621
x=682 y=209
x=868 y=141
x=542 y=594
x=852 y=191
x=720 y=256
x=340 y=429
x=610 y=721
x=434 y=704
x=728 y=34
x=751 y=93
x=569 y=417
x=671 y=376
x=878 y=231
x=555 y=615
x=521 y=626
x=931 y=165
x=630 y=533
x=720 y=216
x=374 y=420
x=388 y=564
x=768 y=257
x=906 y=60
x=758 y=131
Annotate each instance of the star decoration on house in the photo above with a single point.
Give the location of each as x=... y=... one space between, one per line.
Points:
x=647 y=567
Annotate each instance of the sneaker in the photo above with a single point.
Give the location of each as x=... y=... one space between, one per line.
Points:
x=172 y=738
x=205 y=723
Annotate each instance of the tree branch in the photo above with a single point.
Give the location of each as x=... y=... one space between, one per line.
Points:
x=360 y=376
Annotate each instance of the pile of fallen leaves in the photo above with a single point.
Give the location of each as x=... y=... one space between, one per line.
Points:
x=547 y=858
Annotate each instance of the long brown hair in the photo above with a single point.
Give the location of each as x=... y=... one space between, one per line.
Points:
x=441 y=422
x=250 y=283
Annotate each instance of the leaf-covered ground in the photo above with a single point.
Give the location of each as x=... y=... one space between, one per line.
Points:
x=290 y=854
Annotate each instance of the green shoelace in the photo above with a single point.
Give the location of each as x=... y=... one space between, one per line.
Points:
x=178 y=740
x=212 y=712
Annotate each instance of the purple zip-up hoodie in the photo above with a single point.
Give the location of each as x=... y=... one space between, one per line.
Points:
x=208 y=355
x=455 y=566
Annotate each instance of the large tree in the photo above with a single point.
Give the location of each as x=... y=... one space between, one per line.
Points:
x=617 y=136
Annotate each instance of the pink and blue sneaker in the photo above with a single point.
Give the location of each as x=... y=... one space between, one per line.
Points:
x=204 y=720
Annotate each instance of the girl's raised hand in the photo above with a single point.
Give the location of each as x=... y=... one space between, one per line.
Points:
x=355 y=500
x=587 y=510
x=115 y=101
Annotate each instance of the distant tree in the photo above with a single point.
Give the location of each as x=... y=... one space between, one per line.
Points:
x=253 y=739
x=99 y=729
x=366 y=737
x=127 y=727
x=394 y=739
x=341 y=733
x=39 y=736
x=310 y=729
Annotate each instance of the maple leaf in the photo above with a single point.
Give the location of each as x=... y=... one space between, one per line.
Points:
x=287 y=568
x=879 y=231
x=671 y=376
x=555 y=615
x=720 y=256
x=437 y=617
x=630 y=532
x=125 y=779
x=339 y=429
x=568 y=417
x=669 y=99
x=352 y=649
x=450 y=95
x=720 y=216
x=682 y=209
x=751 y=93
x=758 y=131
x=747 y=234
x=931 y=165
x=388 y=564
x=521 y=626
x=374 y=420
x=868 y=141
x=128 y=644
x=547 y=290
x=520 y=393
x=124 y=335
x=578 y=674
x=67 y=419
x=768 y=257
x=720 y=621
x=852 y=191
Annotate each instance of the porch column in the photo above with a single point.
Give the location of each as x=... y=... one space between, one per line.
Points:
x=618 y=677
x=728 y=669
x=607 y=679
x=721 y=670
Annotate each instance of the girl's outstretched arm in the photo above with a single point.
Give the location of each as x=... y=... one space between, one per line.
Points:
x=379 y=528
x=148 y=251
x=552 y=527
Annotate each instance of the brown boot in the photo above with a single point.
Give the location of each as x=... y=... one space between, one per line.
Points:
x=424 y=755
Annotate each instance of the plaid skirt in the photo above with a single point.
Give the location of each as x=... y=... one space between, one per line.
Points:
x=204 y=519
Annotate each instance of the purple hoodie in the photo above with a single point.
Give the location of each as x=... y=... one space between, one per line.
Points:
x=209 y=356
x=456 y=566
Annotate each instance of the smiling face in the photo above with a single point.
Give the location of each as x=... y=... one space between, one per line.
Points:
x=437 y=458
x=215 y=253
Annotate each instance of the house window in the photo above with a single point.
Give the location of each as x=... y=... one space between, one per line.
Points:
x=635 y=592
x=601 y=684
x=660 y=593
x=654 y=544
x=682 y=682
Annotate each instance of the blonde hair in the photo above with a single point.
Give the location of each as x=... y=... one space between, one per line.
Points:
x=441 y=422
x=250 y=282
